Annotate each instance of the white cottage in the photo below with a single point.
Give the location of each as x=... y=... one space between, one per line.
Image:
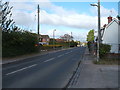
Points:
x=111 y=35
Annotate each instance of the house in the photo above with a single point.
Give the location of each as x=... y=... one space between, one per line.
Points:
x=111 y=34
x=59 y=40
x=44 y=39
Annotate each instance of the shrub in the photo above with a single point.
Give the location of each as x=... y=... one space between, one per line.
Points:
x=104 y=49
x=18 y=43
x=48 y=47
x=66 y=44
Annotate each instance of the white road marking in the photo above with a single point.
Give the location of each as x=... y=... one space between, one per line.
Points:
x=60 y=55
x=67 y=53
x=49 y=60
x=21 y=69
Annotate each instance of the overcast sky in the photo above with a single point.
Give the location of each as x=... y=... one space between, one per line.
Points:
x=65 y=17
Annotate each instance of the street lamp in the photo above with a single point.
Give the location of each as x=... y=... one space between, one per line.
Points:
x=99 y=36
x=94 y=5
x=54 y=38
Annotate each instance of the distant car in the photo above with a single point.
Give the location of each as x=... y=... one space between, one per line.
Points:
x=43 y=43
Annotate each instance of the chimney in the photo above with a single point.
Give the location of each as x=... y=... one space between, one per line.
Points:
x=109 y=19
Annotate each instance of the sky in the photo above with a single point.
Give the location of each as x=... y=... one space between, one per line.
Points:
x=66 y=17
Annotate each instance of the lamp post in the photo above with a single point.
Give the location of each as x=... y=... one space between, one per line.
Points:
x=99 y=35
x=54 y=38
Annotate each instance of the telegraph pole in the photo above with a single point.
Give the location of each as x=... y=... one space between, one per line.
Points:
x=99 y=30
x=99 y=35
x=54 y=38
x=70 y=39
x=38 y=19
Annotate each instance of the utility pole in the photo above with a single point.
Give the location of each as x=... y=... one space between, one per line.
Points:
x=70 y=39
x=54 y=38
x=99 y=31
x=38 y=19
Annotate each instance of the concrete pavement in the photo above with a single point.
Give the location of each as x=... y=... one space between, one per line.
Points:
x=90 y=75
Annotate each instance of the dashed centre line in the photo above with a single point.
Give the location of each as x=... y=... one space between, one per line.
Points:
x=49 y=60
x=60 y=55
x=21 y=69
x=67 y=53
x=35 y=64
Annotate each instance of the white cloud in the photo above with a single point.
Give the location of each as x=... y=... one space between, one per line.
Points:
x=104 y=11
x=72 y=20
x=23 y=18
x=21 y=6
x=60 y=17
x=24 y=15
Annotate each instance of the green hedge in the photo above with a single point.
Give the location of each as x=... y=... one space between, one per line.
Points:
x=18 y=43
x=104 y=49
x=49 y=47
x=66 y=44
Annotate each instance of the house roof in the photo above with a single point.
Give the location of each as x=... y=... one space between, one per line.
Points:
x=114 y=20
x=59 y=40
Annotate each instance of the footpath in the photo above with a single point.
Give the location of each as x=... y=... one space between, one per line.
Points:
x=89 y=75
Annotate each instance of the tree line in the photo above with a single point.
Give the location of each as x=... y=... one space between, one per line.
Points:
x=15 y=41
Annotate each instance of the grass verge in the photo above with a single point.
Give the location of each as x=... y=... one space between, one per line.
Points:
x=107 y=62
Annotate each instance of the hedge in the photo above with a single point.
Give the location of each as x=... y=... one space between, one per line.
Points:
x=104 y=49
x=18 y=43
x=48 y=47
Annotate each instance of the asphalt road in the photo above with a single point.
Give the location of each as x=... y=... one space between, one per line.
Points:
x=52 y=70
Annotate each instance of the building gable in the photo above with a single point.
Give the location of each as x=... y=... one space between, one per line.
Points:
x=111 y=35
x=114 y=20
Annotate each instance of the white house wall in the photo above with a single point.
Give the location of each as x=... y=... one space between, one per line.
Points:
x=111 y=37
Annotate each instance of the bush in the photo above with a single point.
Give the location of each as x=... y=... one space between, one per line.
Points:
x=104 y=49
x=66 y=44
x=49 y=47
x=18 y=43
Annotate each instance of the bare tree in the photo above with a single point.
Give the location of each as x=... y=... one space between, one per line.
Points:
x=6 y=23
x=67 y=37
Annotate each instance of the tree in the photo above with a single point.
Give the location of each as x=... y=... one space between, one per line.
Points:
x=67 y=37
x=6 y=21
x=51 y=41
x=90 y=39
x=90 y=36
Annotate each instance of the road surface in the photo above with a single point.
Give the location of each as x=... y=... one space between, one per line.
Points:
x=52 y=70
